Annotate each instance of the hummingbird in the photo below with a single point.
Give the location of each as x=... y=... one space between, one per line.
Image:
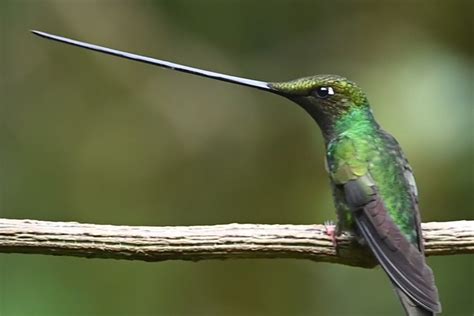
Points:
x=374 y=189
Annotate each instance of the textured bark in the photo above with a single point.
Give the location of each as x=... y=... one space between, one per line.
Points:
x=195 y=243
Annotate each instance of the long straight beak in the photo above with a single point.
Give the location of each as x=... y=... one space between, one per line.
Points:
x=165 y=64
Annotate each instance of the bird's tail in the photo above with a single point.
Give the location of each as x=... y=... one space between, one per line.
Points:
x=411 y=309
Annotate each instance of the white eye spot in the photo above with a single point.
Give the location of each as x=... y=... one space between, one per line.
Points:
x=324 y=92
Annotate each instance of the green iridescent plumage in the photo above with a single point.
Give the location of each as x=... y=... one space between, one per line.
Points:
x=362 y=148
x=373 y=185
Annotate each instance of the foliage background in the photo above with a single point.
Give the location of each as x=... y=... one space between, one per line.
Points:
x=91 y=138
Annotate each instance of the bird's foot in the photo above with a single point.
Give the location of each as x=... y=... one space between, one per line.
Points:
x=331 y=232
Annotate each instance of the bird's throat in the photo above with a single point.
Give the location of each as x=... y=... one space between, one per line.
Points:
x=358 y=122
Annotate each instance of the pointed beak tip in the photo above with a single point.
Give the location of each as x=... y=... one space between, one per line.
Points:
x=38 y=33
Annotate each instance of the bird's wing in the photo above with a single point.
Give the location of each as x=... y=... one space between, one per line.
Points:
x=403 y=262
x=393 y=146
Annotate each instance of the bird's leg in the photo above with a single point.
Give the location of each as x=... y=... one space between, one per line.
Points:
x=331 y=231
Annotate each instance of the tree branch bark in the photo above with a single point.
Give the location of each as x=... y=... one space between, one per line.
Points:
x=195 y=243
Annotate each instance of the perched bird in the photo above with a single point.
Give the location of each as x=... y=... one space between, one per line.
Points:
x=373 y=185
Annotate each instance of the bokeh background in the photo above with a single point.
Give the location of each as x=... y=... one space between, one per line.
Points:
x=91 y=138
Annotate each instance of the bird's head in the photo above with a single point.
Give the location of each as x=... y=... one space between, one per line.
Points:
x=327 y=98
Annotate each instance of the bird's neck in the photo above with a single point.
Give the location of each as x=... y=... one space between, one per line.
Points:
x=358 y=122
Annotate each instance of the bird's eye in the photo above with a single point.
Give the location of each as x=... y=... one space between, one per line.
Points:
x=323 y=92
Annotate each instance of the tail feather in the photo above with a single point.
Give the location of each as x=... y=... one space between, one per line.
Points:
x=411 y=309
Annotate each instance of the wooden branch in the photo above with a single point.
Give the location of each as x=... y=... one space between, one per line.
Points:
x=195 y=243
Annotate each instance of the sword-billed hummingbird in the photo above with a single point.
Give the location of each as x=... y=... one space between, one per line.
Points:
x=373 y=185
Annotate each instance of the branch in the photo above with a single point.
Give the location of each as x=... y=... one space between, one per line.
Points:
x=195 y=243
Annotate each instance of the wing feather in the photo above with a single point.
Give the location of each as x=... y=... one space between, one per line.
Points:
x=404 y=264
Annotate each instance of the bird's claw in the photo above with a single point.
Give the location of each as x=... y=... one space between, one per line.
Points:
x=331 y=232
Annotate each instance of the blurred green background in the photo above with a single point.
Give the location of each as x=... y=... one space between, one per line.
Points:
x=91 y=138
